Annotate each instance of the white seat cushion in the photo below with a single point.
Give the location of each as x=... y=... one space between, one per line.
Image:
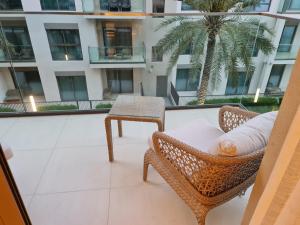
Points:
x=250 y=136
x=199 y=134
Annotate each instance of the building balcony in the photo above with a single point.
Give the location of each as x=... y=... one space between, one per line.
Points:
x=117 y=9
x=287 y=52
x=109 y=57
x=17 y=53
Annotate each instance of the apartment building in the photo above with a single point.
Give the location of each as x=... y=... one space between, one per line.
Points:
x=78 y=50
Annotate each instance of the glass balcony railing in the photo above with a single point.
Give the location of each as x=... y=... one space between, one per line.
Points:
x=163 y=55
x=91 y=6
x=17 y=53
x=118 y=55
x=287 y=51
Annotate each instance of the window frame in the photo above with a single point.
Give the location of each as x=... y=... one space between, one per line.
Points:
x=247 y=81
x=283 y=66
x=156 y=57
x=187 y=80
x=292 y=39
x=118 y=74
x=73 y=88
x=73 y=8
x=292 y=9
x=65 y=46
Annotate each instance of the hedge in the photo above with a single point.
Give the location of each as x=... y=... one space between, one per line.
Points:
x=104 y=106
x=262 y=101
x=46 y=108
x=7 y=109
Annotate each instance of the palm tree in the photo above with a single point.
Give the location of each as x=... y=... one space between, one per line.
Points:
x=225 y=41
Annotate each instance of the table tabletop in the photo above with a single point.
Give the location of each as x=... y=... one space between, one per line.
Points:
x=138 y=106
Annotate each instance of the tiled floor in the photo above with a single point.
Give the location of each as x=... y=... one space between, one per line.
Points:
x=61 y=166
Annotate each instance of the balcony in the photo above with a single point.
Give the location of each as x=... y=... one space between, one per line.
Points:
x=90 y=190
x=114 y=9
x=17 y=53
x=108 y=57
x=287 y=52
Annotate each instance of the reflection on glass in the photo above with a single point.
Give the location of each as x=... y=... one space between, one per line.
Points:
x=15 y=44
x=58 y=4
x=238 y=84
x=10 y=5
x=29 y=81
x=294 y=5
x=287 y=38
x=275 y=79
x=186 y=80
x=120 y=81
x=72 y=88
x=64 y=42
x=158 y=6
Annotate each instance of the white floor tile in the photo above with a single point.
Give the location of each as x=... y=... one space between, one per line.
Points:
x=27 y=168
x=6 y=124
x=83 y=131
x=26 y=200
x=148 y=205
x=34 y=133
x=72 y=169
x=127 y=169
x=73 y=208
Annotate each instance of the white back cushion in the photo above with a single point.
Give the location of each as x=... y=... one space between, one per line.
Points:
x=248 y=137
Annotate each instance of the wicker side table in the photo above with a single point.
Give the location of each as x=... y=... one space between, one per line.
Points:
x=134 y=108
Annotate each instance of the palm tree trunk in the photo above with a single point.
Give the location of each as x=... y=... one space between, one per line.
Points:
x=202 y=92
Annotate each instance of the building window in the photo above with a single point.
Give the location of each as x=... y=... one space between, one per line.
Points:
x=120 y=81
x=185 y=6
x=287 y=38
x=29 y=81
x=238 y=85
x=115 y=5
x=19 y=44
x=11 y=5
x=156 y=55
x=294 y=5
x=64 y=44
x=262 y=6
x=186 y=81
x=275 y=76
x=58 y=5
x=72 y=88
x=188 y=50
x=158 y=6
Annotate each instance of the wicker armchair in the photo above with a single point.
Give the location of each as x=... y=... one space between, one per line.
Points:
x=204 y=181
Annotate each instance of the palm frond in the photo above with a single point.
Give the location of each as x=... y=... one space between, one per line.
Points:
x=168 y=21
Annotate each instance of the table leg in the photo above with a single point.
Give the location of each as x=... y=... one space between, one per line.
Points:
x=120 y=128
x=109 y=139
x=160 y=126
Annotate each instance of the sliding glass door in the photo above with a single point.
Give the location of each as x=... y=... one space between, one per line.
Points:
x=120 y=81
x=72 y=88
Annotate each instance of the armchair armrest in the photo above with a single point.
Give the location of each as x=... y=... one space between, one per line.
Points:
x=232 y=117
x=209 y=174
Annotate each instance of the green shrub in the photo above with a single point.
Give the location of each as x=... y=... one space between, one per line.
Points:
x=46 y=108
x=262 y=101
x=104 y=106
x=6 y=109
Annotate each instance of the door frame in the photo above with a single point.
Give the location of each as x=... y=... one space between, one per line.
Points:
x=14 y=211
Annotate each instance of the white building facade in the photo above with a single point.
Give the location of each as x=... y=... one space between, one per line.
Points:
x=78 y=50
